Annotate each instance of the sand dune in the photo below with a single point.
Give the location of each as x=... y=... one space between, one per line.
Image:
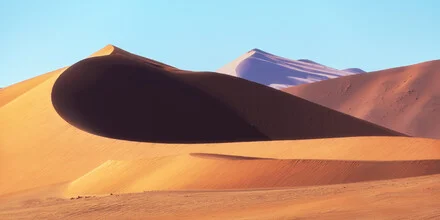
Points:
x=42 y=155
x=278 y=72
x=122 y=98
x=405 y=99
x=11 y=92
x=32 y=131
x=213 y=171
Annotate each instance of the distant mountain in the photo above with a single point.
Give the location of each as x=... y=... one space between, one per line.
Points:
x=278 y=72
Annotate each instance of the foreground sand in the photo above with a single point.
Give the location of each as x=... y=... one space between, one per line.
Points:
x=44 y=161
x=412 y=198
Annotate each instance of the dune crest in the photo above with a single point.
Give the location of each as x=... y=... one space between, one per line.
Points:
x=11 y=92
x=113 y=50
x=107 y=50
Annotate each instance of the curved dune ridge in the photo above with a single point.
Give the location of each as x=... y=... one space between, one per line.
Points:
x=9 y=93
x=385 y=97
x=112 y=50
x=119 y=97
x=213 y=171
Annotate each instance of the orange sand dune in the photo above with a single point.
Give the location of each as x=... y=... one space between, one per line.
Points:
x=11 y=92
x=119 y=97
x=213 y=171
x=404 y=99
x=410 y=198
x=38 y=148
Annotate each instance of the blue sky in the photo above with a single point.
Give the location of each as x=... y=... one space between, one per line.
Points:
x=40 y=36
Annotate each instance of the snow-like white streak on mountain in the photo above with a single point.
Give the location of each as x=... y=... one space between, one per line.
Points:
x=354 y=70
x=278 y=72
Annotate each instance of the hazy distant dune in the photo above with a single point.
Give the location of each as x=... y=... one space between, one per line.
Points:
x=405 y=99
x=278 y=72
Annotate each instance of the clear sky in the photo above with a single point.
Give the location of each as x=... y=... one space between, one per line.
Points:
x=40 y=36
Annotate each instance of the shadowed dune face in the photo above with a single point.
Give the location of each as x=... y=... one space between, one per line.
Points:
x=119 y=97
x=124 y=99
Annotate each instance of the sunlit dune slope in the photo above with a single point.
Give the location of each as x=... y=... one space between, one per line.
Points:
x=213 y=171
x=11 y=92
x=118 y=97
x=404 y=99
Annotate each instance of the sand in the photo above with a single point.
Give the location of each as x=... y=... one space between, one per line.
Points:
x=385 y=97
x=412 y=198
x=44 y=160
x=12 y=92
